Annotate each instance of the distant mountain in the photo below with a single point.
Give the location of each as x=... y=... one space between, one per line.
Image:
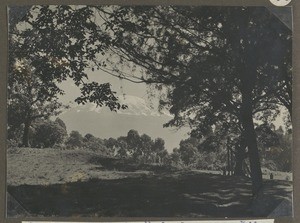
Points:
x=139 y=106
x=139 y=115
x=136 y=106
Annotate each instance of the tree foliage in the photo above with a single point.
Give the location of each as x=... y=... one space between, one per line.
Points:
x=75 y=140
x=60 y=42
x=95 y=144
x=48 y=45
x=47 y=133
x=27 y=100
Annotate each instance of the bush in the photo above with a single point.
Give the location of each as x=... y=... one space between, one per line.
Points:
x=209 y=161
x=96 y=145
x=47 y=134
x=75 y=140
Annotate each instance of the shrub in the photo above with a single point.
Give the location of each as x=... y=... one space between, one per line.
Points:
x=75 y=140
x=47 y=134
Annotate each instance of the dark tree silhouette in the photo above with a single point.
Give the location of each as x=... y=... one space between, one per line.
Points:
x=216 y=61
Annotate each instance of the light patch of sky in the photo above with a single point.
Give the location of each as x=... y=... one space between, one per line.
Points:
x=154 y=126
x=124 y=87
x=120 y=86
x=280 y=120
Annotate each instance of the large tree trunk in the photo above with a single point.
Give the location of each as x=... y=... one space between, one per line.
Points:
x=255 y=168
x=248 y=83
x=25 y=139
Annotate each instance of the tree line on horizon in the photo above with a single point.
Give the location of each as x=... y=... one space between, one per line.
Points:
x=206 y=153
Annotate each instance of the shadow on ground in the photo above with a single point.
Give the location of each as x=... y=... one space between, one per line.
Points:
x=107 y=163
x=176 y=194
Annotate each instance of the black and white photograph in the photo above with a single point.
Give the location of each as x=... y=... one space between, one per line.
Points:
x=166 y=111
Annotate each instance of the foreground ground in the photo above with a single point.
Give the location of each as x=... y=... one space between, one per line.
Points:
x=52 y=182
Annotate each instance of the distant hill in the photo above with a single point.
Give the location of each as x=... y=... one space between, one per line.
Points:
x=103 y=123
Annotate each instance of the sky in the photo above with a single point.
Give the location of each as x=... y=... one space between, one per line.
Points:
x=104 y=124
x=120 y=86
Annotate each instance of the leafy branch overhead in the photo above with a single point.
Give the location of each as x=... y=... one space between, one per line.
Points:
x=100 y=94
x=170 y=45
x=60 y=43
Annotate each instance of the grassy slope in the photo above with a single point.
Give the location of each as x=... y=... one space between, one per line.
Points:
x=51 y=166
x=67 y=183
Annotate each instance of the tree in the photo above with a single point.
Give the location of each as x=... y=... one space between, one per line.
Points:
x=209 y=152
x=175 y=157
x=133 y=141
x=122 y=147
x=214 y=63
x=111 y=144
x=47 y=134
x=187 y=152
x=95 y=144
x=266 y=136
x=60 y=42
x=284 y=159
x=275 y=146
x=61 y=123
x=88 y=137
x=27 y=101
x=159 y=150
x=44 y=52
x=146 y=146
x=75 y=140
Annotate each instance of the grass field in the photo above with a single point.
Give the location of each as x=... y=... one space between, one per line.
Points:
x=49 y=182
